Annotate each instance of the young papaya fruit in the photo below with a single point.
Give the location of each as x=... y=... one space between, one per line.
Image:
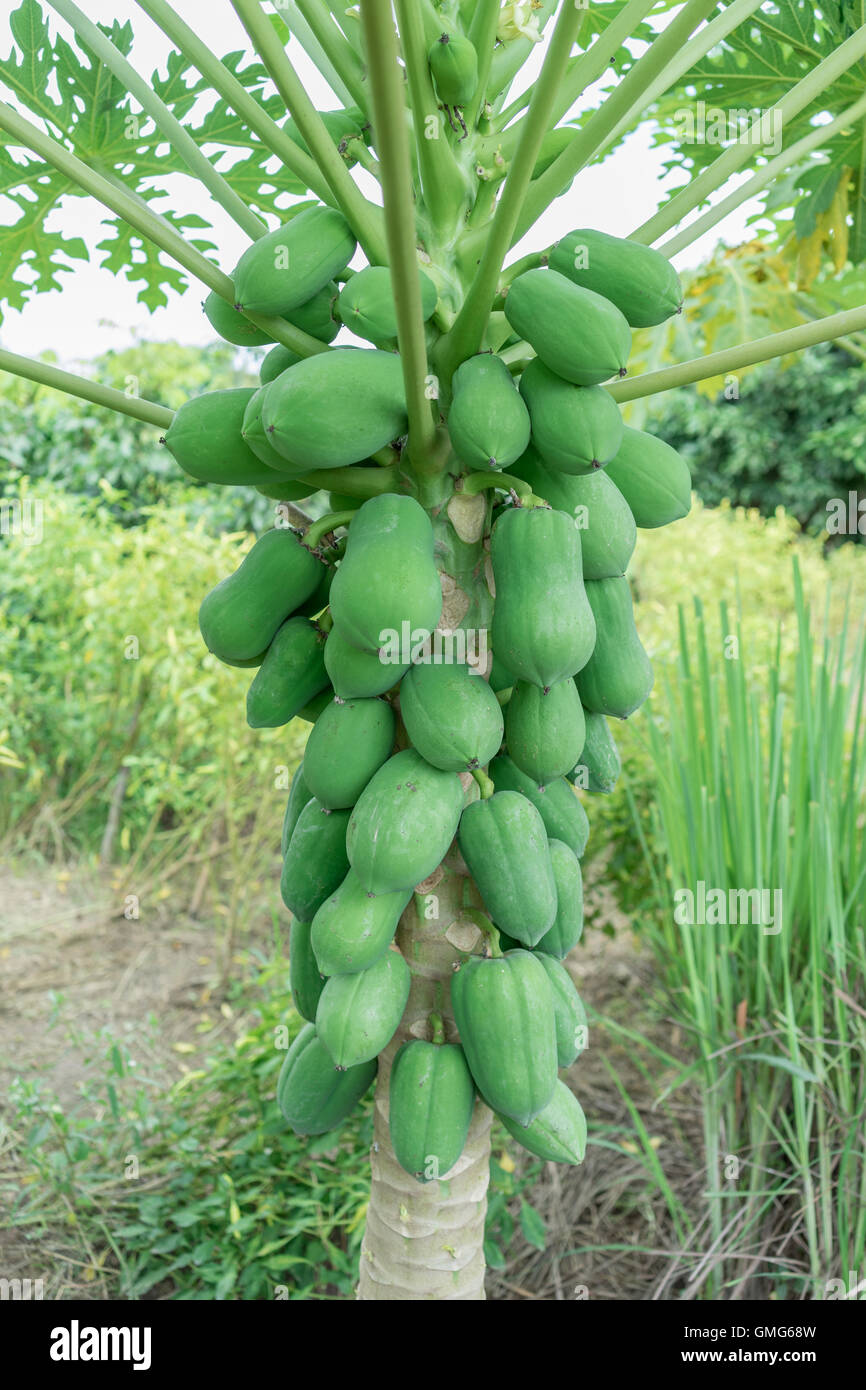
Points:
x=349 y=743
x=503 y=1008
x=544 y=729
x=357 y=675
x=239 y=618
x=255 y=438
x=318 y=600
x=316 y=316
x=558 y=1132
x=275 y=362
x=454 y=69
x=366 y=304
x=353 y=928
x=601 y=513
x=578 y=334
x=452 y=717
x=568 y=1010
x=640 y=281
x=358 y=1014
x=345 y=127
x=431 y=1097
x=299 y=795
x=287 y=266
x=504 y=843
x=403 y=823
x=563 y=815
x=205 y=439
x=286 y=490
x=320 y=702
x=653 y=478
x=305 y=981
x=335 y=408
x=313 y=1095
x=387 y=584
x=598 y=767
x=488 y=422
x=567 y=927
x=315 y=863
x=292 y=673
x=339 y=502
x=231 y=325
x=618 y=676
x=543 y=629
x=500 y=678
x=575 y=429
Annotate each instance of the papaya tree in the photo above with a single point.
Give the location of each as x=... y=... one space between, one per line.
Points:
x=443 y=595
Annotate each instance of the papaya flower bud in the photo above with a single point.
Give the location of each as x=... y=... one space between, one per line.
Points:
x=518 y=20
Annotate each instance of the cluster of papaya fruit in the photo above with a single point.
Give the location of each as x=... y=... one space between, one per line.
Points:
x=409 y=760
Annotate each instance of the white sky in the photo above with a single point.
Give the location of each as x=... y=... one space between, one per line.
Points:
x=96 y=310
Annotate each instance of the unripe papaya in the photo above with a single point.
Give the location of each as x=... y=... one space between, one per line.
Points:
x=403 y=823
x=287 y=266
x=454 y=69
x=316 y=315
x=452 y=717
x=357 y=675
x=598 y=767
x=601 y=513
x=318 y=600
x=653 y=478
x=568 y=923
x=563 y=815
x=304 y=977
x=315 y=863
x=388 y=577
x=292 y=673
x=366 y=304
x=579 y=335
x=576 y=429
x=284 y=491
x=205 y=439
x=343 y=126
x=231 y=324
x=311 y=712
x=239 y=618
x=312 y=1094
x=568 y=1010
x=335 y=408
x=275 y=362
x=488 y=422
x=558 y=1132
x=618 y=676
x=431 y=1097
x=353 y=928
x=504 y=843
x=358 y=1014
x=255 y=438
x=299 y=795
x=350 y=741
x=504 y=1010
x=544 y=729
x=640 y=281
x=543 y=629
x=500 y=678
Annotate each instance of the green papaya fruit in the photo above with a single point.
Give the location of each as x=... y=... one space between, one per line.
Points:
x=255 y=438
x=576 y=429
x=335 y=408
x=567 y=927
x=275 y=362
x=315 y=863
x=358 y=1014
x=292 y=672
x=598 y=767
x=431 y=1097
x=640 y=281
x=568 y=1011
x=311 y=712
x=618 y=676
x=563 y=815
x=306 y=982
x=337 y=502
x=231 y=324
x=387 y=585
x=287 y=266
x=488 y=422
x=504 y=1010
x=349 y=743
x=653 y=478
x=454 y=69
x=544 y=729
x=284 y=490
x=205 y=439
x=299 y=795
x=312 y=1094
x=343 y=126
x=452 y=717
x=558 y=1132
x=504 y=843
x=500 y=679
x=601 y=513
x=543 y=629
x=316 y=315
x=357 y=675
x=318 y=600
x=403 y=823
x=578 y=334
x=353 y=928
x=366 y=304
x=239 y=618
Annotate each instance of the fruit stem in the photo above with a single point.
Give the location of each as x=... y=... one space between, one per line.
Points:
x=354 y=482
x=437 y=1028
x=488 y=931
x=474 y=483
x=324 y=526
x=486 y=786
